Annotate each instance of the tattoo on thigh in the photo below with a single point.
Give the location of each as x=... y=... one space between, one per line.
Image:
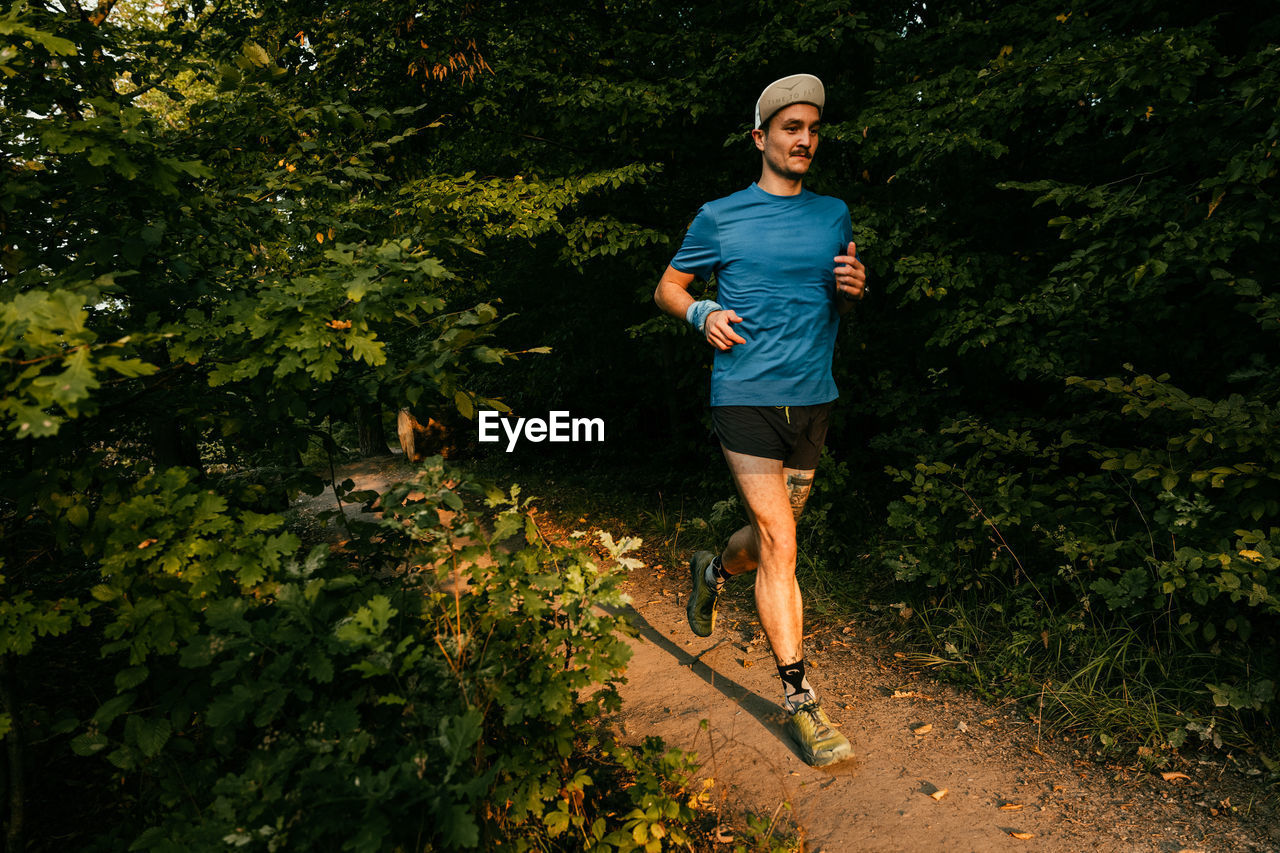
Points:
x=798 y=492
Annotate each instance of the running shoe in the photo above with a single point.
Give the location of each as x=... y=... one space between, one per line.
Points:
x=701 y=608
x=819 y=741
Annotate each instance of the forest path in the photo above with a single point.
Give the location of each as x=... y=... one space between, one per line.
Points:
x=1008 y=785
x=912 y=736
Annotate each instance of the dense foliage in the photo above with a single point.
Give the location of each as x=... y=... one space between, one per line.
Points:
x=1075 y=210
x=306 y=708
x=220 y=246
x=229 y=230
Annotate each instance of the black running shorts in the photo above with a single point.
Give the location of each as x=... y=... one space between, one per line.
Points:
x=793 y=434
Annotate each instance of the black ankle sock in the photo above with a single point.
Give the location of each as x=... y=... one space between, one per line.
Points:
x=795 y=686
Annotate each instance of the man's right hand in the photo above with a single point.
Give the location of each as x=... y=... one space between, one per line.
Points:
x=719 y=329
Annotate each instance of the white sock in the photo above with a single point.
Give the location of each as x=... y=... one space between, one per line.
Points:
x=713 y=577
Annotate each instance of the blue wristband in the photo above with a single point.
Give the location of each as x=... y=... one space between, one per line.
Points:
x=698 y=311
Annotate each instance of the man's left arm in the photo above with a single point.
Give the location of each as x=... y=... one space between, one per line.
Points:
x=851 y=280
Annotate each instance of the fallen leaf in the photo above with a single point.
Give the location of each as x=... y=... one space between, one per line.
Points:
x=1010 y=807
x=1174 y=776
x=939 y=794
x=989 y=721
x=1025 y=836
x=923 y=730
x=723 y=837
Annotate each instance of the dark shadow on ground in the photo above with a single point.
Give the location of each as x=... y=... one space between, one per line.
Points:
x=764 y=710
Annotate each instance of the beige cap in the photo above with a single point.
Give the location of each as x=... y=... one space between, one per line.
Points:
x=796 y=89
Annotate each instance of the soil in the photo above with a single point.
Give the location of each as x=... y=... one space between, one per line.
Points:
x=934 y=768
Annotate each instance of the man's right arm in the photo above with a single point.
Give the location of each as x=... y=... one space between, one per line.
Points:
x=672 y=296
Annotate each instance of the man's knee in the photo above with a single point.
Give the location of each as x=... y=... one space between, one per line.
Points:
x=777 y=541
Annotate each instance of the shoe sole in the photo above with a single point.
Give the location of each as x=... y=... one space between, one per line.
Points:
x=693 y=589
x=824 y=757
x=827 y=758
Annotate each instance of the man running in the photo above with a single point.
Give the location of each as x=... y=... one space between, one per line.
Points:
x=786 y=270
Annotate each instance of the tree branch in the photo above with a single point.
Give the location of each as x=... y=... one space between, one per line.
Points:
x=97 y=16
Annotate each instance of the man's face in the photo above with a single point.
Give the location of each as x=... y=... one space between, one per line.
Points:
x=789 y=140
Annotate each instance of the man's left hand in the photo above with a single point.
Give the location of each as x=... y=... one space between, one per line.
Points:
x=851 y=275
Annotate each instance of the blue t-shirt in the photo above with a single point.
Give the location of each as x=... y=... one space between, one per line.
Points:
x=772 y=257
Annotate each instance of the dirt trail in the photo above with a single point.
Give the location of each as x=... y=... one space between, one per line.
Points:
x=983 y=756
x=935 y=769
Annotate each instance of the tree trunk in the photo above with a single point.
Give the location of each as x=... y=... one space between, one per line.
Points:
x=172 y=446
x=373 y=436
x=420 y=440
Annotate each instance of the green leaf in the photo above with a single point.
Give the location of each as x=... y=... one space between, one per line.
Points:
x=153 y=734
x=89 y=743
x=367 y=349
x=130 y=677
x=463 y=401
x=112 y=708
x=54 y=44
x=102 y=592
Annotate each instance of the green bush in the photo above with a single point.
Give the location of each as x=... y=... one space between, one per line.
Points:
x=267 y=699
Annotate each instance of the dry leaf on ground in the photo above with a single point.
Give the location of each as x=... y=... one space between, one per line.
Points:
x=1010 y=807
x=939 y=794
x=1174 y=776
x=1025 y=836
x=923 y=730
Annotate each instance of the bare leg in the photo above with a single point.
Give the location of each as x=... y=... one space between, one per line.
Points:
x=774 y=497
x=742 y=554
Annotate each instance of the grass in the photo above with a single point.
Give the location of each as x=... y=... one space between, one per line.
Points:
x=1097 y=679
